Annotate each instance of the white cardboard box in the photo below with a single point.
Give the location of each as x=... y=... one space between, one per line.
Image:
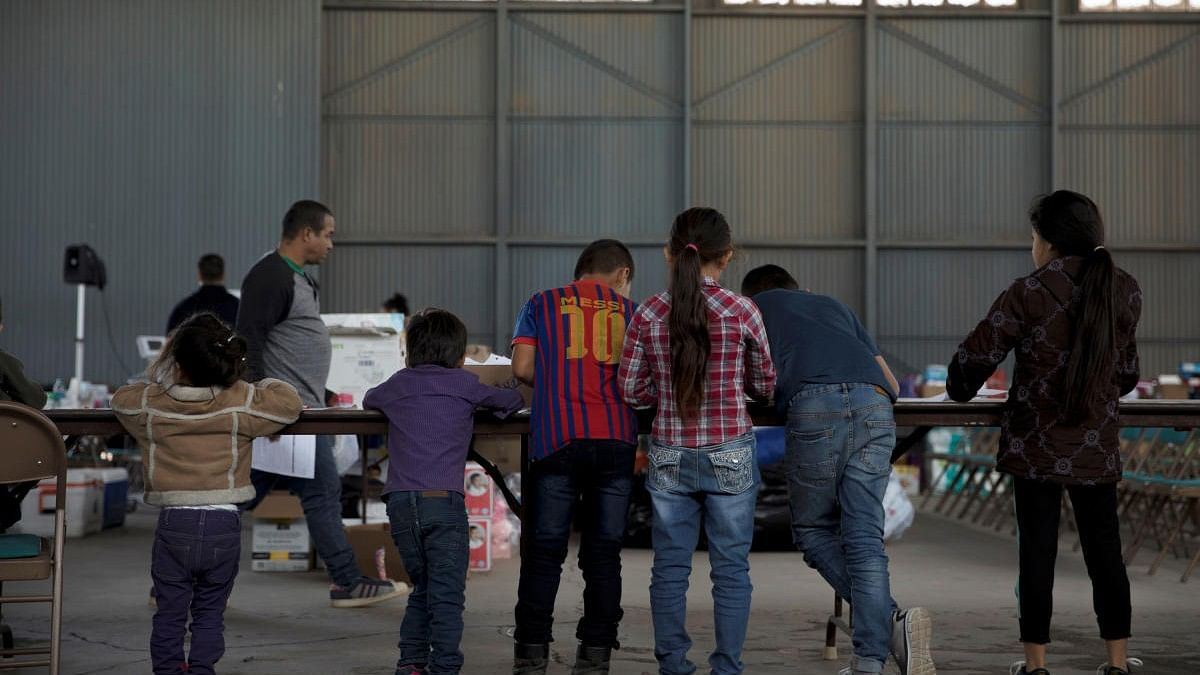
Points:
x=281 y=546
x=367 y=349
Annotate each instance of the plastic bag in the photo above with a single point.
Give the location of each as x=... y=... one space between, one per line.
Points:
x=898 y=511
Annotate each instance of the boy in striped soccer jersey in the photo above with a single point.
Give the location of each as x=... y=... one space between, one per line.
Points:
x=567 y=344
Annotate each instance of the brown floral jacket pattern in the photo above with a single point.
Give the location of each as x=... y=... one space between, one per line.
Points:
x=1034 y=316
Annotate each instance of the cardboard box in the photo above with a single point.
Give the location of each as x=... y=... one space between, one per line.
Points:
x=281 y=546
x=1173 y=391
x=366 y=350
x=371 y=542
x=928 y=390
x=503 y=451
x=500 y=375
x=477 y=491
x=479 y=538
x=280 y=542
x=279 y=505
x=909 y=477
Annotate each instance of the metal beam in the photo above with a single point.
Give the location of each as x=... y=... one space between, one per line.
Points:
x=1056 y=80
x=763 y=70
x=599 y=64
x=405 y=59
x=964 y=68
x=1132 y=68
x=686 y=130
x=579 y=242
x=871 y=167
x=503 y=195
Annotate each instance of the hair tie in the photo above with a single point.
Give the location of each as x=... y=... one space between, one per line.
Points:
x=1098 y=248
x=693 y=247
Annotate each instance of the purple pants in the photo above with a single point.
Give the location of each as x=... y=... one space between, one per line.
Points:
x=194 y=563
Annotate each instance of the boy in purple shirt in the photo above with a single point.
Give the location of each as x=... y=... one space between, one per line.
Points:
x=430 y=408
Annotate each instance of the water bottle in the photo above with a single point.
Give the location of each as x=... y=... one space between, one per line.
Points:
x=58 y=393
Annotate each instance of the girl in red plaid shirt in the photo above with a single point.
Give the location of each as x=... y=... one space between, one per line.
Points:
x=695 y=351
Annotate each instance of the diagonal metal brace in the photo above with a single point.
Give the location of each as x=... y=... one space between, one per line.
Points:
x=1130 y=70
x=412 y=56
x=962 y=67
x=600 y=64
x=762 y=71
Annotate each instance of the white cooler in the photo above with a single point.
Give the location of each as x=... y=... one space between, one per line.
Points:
x=85 y=505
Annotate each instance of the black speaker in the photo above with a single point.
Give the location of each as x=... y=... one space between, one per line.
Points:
x=81 y=265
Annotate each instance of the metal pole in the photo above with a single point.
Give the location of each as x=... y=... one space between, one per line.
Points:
x=1055 y=92
x=503 y=176
x=80 y=301
x=687 y=104
x=870 y=168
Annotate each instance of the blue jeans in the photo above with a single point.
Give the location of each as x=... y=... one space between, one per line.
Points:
x=839 y=456
x=715 y=487
x=194 y=563
x=430 y=531
x=321 y=498
x=601 y=472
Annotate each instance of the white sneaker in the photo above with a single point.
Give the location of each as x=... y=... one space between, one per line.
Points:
x=1106 y=669
x=912 y=631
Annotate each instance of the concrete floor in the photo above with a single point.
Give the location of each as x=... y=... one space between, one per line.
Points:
x=281 y=623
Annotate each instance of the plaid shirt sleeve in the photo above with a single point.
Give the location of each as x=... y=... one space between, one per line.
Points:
x=760 y=370
x=637 y=382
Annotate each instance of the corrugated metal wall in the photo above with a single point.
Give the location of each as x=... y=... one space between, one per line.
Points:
x=596 y=135
x=470 y=150
x=156 y=132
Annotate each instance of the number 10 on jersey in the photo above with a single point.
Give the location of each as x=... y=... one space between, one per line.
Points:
x=608 y=332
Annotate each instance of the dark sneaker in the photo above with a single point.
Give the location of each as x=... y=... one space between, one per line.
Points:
x=592 y=660
x=530 y=659
x=912 y=631
x=1107 y=669
x=366 y=592
x=411 y=669
x=1018 y=668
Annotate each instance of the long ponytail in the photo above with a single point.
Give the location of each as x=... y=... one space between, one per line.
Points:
x=1071 y=223
x=698 y=236
x=1092 y=362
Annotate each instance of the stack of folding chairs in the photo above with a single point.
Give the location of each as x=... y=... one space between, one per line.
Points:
x=1160 y=496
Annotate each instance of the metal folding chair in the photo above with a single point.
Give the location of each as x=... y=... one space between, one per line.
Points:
x=33 y=450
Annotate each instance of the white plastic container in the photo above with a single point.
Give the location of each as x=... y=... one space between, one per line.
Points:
x=85 y=505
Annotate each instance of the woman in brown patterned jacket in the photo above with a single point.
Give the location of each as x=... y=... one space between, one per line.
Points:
x=1072 y=325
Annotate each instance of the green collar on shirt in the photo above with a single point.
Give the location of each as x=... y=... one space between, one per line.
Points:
x=295 y=268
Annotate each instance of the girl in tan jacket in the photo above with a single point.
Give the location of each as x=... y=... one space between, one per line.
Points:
x=196 y=420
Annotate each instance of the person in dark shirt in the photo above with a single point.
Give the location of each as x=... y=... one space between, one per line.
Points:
x=1072 y=324
x=211 y=297
x=836 y=392
x=430 y=406
x=397 y=304
x=15 y=386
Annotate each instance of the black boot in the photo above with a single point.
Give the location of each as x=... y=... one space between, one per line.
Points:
x=591 y=660
x=530 y=659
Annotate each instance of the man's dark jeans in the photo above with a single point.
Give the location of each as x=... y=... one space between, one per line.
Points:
x=601 y=473
x=194 y=563
x=430 y=531
x=321 y=498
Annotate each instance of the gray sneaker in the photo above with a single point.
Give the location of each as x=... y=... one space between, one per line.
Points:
x=912 y=630
x=367 y=592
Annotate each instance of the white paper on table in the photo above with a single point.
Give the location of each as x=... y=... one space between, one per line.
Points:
x=982 y=395
x=286 y=456
x=492 y=360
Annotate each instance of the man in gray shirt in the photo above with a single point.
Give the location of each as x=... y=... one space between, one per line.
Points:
x=280 y=317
